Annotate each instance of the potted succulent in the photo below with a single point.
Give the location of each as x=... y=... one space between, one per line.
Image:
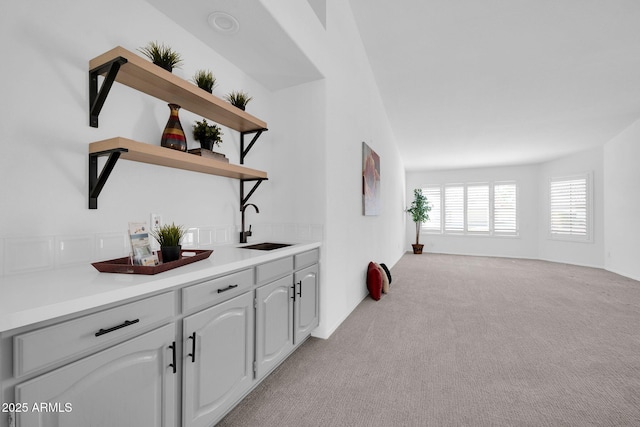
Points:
x=238 y=99
x=168 y=237
x=205 y=80
x=419 y=211
x=208 y=135
x=161 y=55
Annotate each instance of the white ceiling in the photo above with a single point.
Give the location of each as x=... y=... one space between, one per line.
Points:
x=470 y=83
x=465 y=83
x=261 y=48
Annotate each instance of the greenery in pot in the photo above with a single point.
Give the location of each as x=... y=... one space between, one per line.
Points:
x=419 y=211
x=168 y=235
x=238 y=99
x=161 y=55
x=205 y=80
x=208 y=135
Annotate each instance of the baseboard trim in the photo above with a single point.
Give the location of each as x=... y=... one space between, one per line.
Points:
x=601 y=267
x=622 y=273
x=327 y=334
x=331 y=330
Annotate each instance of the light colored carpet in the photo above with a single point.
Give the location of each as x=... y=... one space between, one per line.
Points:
x=468 y=341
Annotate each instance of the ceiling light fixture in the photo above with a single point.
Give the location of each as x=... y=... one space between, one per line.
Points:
x=223 y=23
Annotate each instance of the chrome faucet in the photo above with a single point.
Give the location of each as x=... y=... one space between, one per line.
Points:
x=245 y=234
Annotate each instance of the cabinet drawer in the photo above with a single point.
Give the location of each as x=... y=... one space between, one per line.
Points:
x=306 y=258
x=216 y=290
x=52 y=344
x=274 y=269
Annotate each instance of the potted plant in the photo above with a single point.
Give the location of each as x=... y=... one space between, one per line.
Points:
x=208 y=135
x=168 y=237
x=238 y=99
x=205 y=80
x=419 y=211
x=161 y=55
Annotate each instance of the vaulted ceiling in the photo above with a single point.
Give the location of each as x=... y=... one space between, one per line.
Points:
x=465 y=83
x=496 y=82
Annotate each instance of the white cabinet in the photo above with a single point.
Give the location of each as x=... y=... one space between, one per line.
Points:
x=218 y=359
x=131 y=384
x=287 y=309
x=53 y=345
x=183 y=357
x=306 y=303
x=274 y=324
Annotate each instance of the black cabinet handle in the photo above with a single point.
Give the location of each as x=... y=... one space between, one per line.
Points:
x=228 y=288
x=193 y=348
x=299 y=284
x=294 y=292
x=173 y=349
x=115 y=328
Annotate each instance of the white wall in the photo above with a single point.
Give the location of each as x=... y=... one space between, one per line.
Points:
x=355 y=114
x=523 y=246
x=46 y=133
x=622 y=203
x=580 y=253
x=312 y=151
x=533 y=211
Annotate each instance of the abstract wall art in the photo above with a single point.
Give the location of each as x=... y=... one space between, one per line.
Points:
x=370 y=181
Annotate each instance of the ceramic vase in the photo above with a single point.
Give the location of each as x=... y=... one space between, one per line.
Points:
x=173 y=135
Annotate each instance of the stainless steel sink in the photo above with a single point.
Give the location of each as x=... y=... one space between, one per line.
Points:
x=267 y=246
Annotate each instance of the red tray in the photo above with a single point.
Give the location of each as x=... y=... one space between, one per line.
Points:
x=123 y=265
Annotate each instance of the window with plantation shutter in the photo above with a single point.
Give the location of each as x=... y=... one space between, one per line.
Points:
x=489 y=209
x=454 y=208
x=505 y=208
x=433 y=197
x=478 y=208
x=570 y=208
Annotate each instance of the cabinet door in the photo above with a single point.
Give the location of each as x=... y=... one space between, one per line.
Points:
x=274 y=324
x=131 y=384
x=218 y=362
x=306 y=306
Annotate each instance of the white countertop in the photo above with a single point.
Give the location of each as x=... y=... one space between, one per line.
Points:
x=36 y=297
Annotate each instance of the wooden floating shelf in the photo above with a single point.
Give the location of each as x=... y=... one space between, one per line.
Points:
x=141 y=74
x=156 y=155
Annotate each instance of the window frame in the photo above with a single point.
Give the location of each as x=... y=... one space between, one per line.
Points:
x=440 y=227
x=588 y=237
x=516 y=232
x=465 y=232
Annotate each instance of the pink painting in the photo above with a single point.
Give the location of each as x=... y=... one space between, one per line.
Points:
x=370 y=181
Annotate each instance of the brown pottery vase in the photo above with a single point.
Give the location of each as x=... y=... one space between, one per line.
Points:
x=173 y=135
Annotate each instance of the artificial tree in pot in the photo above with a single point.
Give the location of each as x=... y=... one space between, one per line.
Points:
x=419 y=211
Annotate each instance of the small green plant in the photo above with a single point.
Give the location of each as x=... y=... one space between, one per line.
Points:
x=419 y=211
x=208 y=135
x=238 y=99
x=205 y=80
x=161 y=55
x=168 y=235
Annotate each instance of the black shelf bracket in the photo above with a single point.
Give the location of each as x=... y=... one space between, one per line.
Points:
x=97 y=182
x=97 y=97
x=244 y=151
x=244 y=199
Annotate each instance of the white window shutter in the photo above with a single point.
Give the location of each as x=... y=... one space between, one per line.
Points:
x=570 y=207
x=505 y=210
x=454 y=209
x=478 y=208
x=433 y=197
